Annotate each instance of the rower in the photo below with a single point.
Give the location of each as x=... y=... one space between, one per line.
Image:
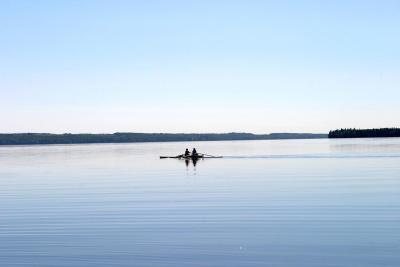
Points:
x=187 y=153
x=194 y=153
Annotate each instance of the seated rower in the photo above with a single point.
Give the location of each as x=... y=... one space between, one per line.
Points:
x=194 y=153
x=187 y=153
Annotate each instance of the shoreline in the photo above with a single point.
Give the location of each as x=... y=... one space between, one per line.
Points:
x=120 y=138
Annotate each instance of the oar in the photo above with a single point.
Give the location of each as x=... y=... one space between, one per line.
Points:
x=211 y=155
x=171 y=157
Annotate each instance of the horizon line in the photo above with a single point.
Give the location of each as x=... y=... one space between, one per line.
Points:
x=99 y=133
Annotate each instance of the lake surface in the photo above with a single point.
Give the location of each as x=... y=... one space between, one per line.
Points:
x=267 y=203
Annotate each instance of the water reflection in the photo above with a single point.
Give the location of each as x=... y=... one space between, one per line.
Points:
x=194 y=162
x=271 y=203
x=363 y=145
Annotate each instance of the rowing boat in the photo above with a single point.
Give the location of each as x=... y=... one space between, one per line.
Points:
x=200 y=156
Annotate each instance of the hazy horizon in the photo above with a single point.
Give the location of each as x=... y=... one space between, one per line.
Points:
x=209 y=66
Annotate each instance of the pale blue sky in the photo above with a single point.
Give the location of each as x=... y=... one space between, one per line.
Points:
x=198 y=66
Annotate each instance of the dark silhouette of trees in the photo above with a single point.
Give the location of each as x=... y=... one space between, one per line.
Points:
x=363 y=133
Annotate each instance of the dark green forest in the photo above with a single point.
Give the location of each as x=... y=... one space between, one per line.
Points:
x=46 y=138
x=364 y=133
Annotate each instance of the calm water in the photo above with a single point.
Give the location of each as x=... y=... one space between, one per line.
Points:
x=269 y=203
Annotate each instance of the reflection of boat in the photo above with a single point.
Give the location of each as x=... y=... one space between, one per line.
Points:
x=199 y=156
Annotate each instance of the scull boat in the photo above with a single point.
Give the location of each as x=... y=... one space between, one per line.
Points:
x=199 y=156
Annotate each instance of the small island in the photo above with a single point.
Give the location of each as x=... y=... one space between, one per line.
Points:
x=365 y=133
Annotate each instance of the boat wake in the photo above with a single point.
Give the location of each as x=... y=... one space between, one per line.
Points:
x=314 y=156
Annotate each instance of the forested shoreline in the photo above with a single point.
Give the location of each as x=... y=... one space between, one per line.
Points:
x=47 y=138
x=67 y=138
x=365 y=133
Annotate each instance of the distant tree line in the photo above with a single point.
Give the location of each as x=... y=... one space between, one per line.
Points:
x=46 y=138
x=363 y=133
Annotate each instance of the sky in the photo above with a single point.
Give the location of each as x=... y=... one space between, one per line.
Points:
x=198 y=66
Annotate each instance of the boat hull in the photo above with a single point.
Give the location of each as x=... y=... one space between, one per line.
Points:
x=183 y=157
x=200 y=156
